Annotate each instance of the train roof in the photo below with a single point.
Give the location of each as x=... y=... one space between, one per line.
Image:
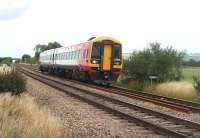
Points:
x=93 y=39
x=101 y=38
x=46 y=51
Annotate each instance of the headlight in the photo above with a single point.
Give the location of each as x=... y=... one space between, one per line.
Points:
x=117 y=61
x=94 y=61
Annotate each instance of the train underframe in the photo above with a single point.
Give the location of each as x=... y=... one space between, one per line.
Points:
x=82 y=74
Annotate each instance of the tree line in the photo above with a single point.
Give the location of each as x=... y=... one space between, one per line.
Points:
x=192 y=63
x=5 y=60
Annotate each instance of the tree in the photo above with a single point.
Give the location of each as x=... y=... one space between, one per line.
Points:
x=53 y=45
x=40 y=48
x=6 y=60
x=192 y=63
x=155 y=61
x=26 y=58
x=1 y=59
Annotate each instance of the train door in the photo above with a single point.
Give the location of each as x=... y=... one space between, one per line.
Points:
x=107 y=53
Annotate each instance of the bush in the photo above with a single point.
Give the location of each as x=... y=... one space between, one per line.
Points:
x=7 y=60
x=197 y=83
x=166 y=63
x=133 y=84
x=12 y=82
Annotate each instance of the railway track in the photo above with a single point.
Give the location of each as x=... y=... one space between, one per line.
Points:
x=158 y=122
x=176 y=104
x=179 y=105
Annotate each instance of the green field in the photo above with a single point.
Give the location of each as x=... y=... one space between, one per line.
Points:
x=189 y=72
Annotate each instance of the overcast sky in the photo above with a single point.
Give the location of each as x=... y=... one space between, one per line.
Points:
x=25 y=23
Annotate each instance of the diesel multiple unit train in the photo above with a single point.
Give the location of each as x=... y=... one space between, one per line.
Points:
x=98 y=60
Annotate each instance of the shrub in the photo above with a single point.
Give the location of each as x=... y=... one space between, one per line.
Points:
x=133 y=84
x=7 y=60
x=196 y=83
x=12 y=82
x=166 y=63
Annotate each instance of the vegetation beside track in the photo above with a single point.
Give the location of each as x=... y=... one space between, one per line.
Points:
x=171 y=79
x=21 y=117
x=183 y=90
x=179 y=90
x=11 y=81
x=5 y=60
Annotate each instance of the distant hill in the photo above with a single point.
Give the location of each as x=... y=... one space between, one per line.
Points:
x=195 y=56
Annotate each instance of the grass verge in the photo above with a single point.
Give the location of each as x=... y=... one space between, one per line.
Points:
x=179 y=90
x=183 y=90
x=21 y=117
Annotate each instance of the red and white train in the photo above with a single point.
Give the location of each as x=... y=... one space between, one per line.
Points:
x=98 y=60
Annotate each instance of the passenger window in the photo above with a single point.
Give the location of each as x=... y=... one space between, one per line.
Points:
x=81 y=54
x=71 y=55
x=74 y=54
x=67 y=55
x=78 y=54
x=87 y=53
x=84 y=53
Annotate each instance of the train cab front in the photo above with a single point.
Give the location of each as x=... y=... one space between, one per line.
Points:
x=106 y=60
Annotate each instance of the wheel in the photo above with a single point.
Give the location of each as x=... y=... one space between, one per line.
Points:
x=76 y=74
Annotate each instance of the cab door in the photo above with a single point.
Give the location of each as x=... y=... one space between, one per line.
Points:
x=107 y=51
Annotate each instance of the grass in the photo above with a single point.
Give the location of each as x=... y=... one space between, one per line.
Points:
x=181 y=90
x=21 y=117
x=189 y=72
x=5 y=69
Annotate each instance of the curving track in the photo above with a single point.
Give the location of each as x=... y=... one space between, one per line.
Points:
x=176 y=104
x=158 y=122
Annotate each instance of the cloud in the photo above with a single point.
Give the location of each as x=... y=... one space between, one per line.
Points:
x=11 y=9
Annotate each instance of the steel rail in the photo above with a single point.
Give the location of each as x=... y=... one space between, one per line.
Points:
x=175 y=104
x=59 y=85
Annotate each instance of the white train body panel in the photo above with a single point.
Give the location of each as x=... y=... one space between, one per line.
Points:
x=64 y=56
x=46 y=57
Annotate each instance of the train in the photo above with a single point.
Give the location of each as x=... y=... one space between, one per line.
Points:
x=97 y=60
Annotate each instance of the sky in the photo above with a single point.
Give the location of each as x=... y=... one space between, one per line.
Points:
x=26 y=23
